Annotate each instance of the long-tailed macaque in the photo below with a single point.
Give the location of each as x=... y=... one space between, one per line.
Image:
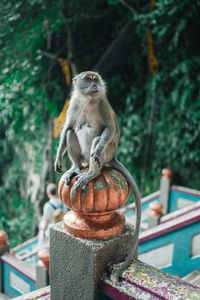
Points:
x=91 y=134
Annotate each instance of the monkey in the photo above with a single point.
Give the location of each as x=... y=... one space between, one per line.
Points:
x=91 y=134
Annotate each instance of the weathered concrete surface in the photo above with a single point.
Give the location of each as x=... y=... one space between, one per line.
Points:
x=42 y=277
x=76 y=264
x=164 y=194
x=153 y=221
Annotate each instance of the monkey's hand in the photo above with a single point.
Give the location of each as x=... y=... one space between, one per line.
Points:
x=58 y=166
x=96 y=158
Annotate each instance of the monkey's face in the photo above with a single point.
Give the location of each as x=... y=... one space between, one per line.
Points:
x=89 y=83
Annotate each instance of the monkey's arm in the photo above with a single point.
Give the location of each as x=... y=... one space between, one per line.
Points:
x=63 y=142
x=105 y=138
x=110 y=131
x=61 y=150
x=103 y=141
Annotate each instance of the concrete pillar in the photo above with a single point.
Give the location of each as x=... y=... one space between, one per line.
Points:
x=76 y=264
x=42 y=268
x=165 y=184
x=155 y=213
x=42 y=277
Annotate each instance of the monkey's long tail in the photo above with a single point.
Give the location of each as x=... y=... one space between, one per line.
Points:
x=133 y=249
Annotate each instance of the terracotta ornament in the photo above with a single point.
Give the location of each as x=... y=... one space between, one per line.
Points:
x=155 y=209
x=93 y=214
x=43 y=256
x=3 y=238
x=167 y=173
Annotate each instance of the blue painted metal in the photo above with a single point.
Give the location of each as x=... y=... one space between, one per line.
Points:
x=24 y=252
x=33 y=259
x=174 y=195
x=182 y=262
x=26 y=247
x=8 y=288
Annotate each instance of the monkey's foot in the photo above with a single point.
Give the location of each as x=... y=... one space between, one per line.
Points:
x=70 y=173
x=82 y=180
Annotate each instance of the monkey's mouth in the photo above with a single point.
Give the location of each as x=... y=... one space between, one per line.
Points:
x=94 y=91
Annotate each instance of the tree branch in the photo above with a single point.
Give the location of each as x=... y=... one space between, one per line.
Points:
x=116 y=52
x=132 y=9
x=70 y=45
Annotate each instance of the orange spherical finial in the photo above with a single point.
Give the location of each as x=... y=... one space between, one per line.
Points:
x=167 y=173
x=155 y=209
x=43 y=256
x=12 y=251
x=93 y=214
x=3 y=238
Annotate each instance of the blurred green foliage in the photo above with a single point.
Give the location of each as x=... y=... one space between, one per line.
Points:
x=33 y=89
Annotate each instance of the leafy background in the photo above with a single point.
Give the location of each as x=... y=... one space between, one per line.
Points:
x=110 y=37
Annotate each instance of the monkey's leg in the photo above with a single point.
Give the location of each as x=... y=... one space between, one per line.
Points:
x=74 y=152
x=94 y=168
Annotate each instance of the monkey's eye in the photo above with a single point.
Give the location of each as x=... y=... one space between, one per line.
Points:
x=95 y=79
x=88 y=79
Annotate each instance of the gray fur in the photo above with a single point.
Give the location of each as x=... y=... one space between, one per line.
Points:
x=91 y=134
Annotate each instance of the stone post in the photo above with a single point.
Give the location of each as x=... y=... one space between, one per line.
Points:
x=76 y=263
x=165 y=189
x=42 y=268
x=155 y=213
